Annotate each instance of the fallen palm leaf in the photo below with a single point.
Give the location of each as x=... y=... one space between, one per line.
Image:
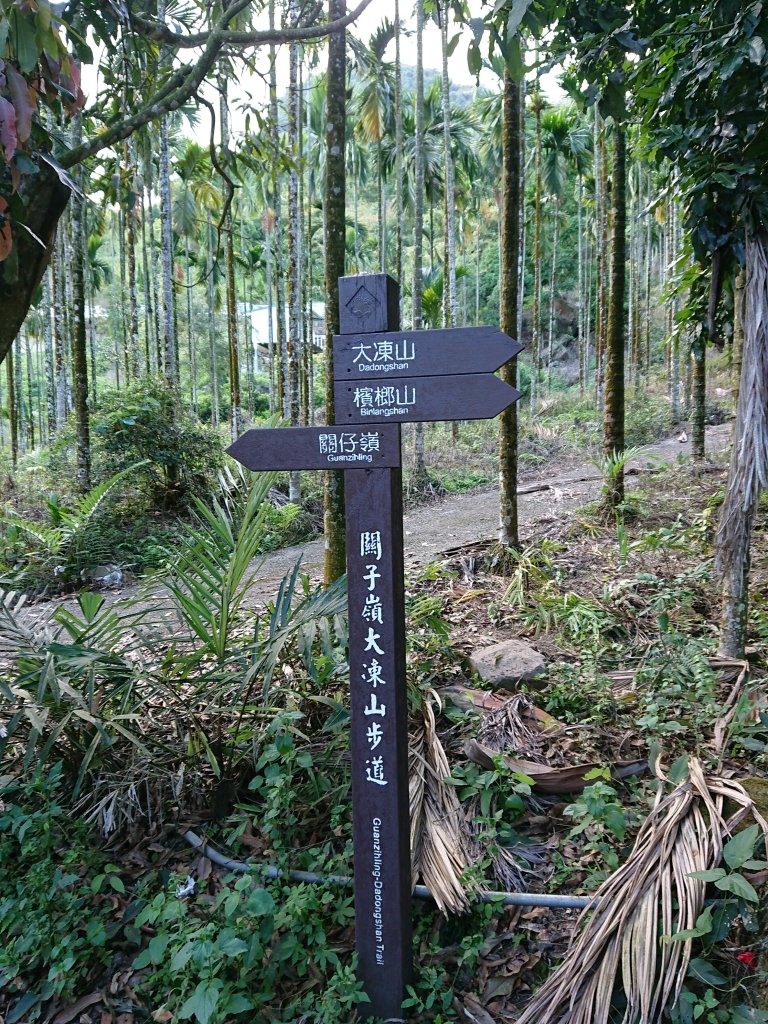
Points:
x=549 y=780
x=651 y=894
x=439 y=848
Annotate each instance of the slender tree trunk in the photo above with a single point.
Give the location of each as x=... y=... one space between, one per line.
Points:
x=335 y=251
x=233 y=347
x=50 y=384
x=420 y=467
x=399 y=159
x=79 y=333
x=18 y=387
x=58 y=338
x=132 y=360
x=192 y=355
x=738 y=333
x=604 y=270
x=674 y=334
x=282 y=363
x=154 y=258
x=510 y=245
x=613 y=419
x=273 y=405
x=580 y=275
x=449 y=275
x=536 y=326
x=294 y=285
x=166 y=258
x=146 y=288
x=699 y=396
x=749 y=459
x=355 y=200
x=212 y=355
x=13 y=422
x=648 y=279
x=552 y=291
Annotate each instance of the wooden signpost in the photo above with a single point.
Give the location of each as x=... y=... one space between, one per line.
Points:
x=383 y=377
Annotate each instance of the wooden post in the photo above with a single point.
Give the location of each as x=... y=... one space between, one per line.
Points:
x=369 y=303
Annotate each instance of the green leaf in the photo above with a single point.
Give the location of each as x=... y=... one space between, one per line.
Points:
x=157 y=947
x=229 y=944
x=474 y=59
x=260 y=903
x=23 y=41
x=711 y=875
x=202 y=1003
x=739 y=886
x=703 y=927
x=737 y=851
x=516 y=15
x=237 y=1004
x=702 y=970
x=678 y=771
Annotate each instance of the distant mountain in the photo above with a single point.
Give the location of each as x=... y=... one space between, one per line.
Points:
x=461 y=95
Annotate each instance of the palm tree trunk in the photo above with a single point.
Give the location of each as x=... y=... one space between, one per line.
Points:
x=399 y=159
x=282 y=363
x=192 y=355
x=613 y=419
x=420 y=468
x=11 y=404
x=552 y=290
x=132 y=361
x=210 y=297
x=510 y=245
x=168 y=341
x=58 y=337
x=233 y=347
x=604 y=270
x=335 y=251
x=748 y=473
x=738 y=333
x=449 y=283
x=50 y=384
x=294 y=287
x=148 y=307
x=355 y=200
x=536 y=326
x=79 y=333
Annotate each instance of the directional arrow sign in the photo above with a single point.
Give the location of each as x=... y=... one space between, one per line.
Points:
x=468 y=396
x=363 y=447
x=417 y=353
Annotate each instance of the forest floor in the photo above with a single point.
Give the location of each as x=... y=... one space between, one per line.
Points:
x=624 y=615
x=548 y=494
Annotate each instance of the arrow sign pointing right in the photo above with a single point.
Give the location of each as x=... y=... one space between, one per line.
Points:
x=418 y=353
x=467 y=396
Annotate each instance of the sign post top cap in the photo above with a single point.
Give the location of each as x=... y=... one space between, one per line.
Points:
x=368 y=303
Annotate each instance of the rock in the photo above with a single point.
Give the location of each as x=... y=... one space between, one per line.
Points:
x=107 y=575
x=508 y=663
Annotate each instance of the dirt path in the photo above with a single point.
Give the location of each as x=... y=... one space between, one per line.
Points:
x=463 y=519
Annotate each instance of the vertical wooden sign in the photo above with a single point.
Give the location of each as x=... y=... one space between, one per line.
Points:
x=379 y=728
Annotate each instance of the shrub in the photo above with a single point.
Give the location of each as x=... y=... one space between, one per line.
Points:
x=148 y=421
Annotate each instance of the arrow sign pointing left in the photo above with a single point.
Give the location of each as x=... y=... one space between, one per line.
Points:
x=466 y=396
x=374 y=446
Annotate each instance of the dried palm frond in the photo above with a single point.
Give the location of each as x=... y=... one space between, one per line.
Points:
x=439 y=848
x=514 y=726
x=624 y=934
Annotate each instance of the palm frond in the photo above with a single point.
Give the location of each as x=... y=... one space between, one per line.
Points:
x=625 y=934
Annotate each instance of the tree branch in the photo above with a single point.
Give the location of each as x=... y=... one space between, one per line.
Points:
x=160 y=33
x=185 y=81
